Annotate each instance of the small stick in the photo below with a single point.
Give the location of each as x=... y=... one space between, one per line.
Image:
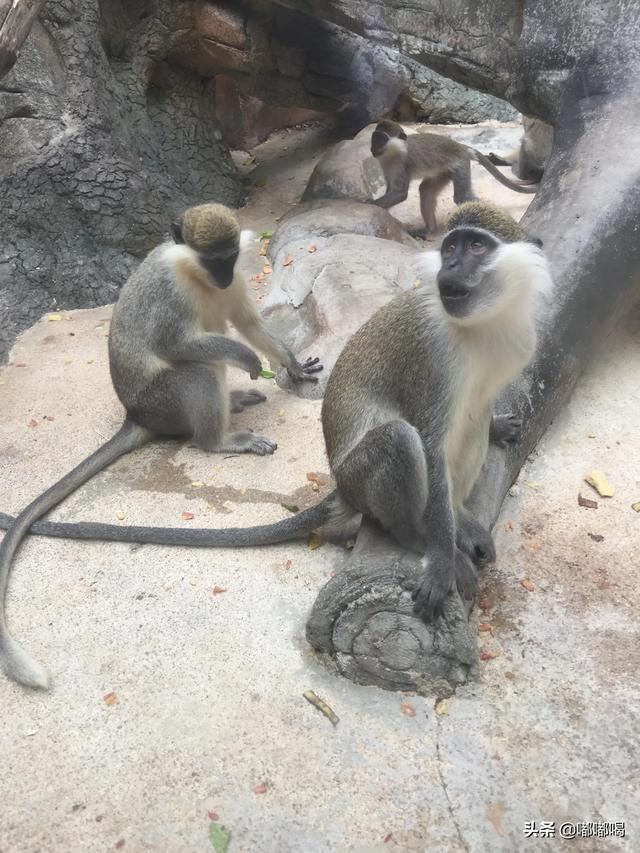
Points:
x=322 y=706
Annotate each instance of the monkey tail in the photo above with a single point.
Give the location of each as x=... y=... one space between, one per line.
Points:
x=518 y=186
x=14 y=660
x=330 y=510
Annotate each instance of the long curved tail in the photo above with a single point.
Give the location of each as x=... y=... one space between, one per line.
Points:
x=14 y=660
x=518 y=186
x=328 y=510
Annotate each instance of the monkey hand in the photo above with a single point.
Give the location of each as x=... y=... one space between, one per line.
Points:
x=251 y=363
x=303 y=371
x=438 y=582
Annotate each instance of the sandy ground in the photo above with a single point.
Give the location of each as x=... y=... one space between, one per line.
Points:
x=204 y=716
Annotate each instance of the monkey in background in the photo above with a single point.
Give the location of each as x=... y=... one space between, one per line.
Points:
x=527 y=161
x=434 y=158
x=407 y=410
x=168 y=351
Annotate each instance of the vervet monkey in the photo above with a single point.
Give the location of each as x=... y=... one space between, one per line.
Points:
x=168 y=351
x=434 y=158
x=527 y=161
x=407 y=410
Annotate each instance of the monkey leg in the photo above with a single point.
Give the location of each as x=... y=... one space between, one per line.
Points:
x=505 y=429
x=385 y=478
x=245 y=442
x=461 y=177
x=429 y=190
x=473 y=539
x=241 y=399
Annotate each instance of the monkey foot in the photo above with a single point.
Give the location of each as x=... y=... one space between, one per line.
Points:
x=363 y=625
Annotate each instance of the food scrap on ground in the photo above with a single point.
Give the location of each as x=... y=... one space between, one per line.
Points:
x=313 y=698
x=587 y=502
x=600 y=484
x=527 y=584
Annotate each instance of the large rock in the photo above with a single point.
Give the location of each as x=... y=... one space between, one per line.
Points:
x=347 y=170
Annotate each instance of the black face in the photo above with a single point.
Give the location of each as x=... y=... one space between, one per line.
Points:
x=219 y=264
x=379 y=139
x=464 y=251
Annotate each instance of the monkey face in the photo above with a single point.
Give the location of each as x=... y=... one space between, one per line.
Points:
x=466 y=254
x=386 y=132
x=378 y=142
x=220 y=268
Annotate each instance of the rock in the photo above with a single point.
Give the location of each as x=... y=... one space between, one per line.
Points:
x=346 y=170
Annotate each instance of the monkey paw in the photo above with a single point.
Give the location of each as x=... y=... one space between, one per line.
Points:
x=241 y=399
x=435 y=585
x=261 y=445
x=303 y=371
x=505 y=429
x=466 y=576
x=474 y=540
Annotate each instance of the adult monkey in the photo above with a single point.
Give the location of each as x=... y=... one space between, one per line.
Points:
x=434 y=158
x=168 y=352
x=527 y=161
x=407 y=410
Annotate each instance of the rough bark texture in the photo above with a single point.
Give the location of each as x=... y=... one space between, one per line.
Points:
x=577 y=65
x=103 y=138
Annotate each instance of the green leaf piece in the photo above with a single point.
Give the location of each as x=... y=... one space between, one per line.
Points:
x=290 y=507
x=267 y=374
x=266 y=235
x=219 y=836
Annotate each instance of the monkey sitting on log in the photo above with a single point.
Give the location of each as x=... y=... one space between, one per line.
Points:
x=168 y=352
x=407 y=411
x=434 y=158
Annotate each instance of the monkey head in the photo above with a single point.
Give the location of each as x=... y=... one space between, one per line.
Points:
x=388 y=135
x=481 y=255
x=213 y=232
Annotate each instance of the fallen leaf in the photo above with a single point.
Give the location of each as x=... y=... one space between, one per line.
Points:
x=526 y=583
x=387 y=837
x=408 y=709
x=187 y=516
x=636 y=506
x=267 y=269
x=312 y=249
x=600 y=484
x=442 y=708
x=111 y=699
x=484 y=626
x=260 y=789
x=291 y=507
x=263 y=248
x=495 y=813
x=510 y=675
x=120 y=844
x=219 y=836
x=212 y=815
x=490 y=655
x=587 y=502
x=314 y=541
x=52 y=318
x=260 y=182
x=597 y=537
x=266 y=235
x=32 y=423
x=217 y=590
x=120 y=515
x=509 y=525
x=49 y=418
x=287 y=261
x=267 y=374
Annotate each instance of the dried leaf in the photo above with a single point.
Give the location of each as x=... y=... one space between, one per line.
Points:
x=442 y=708
x=52 y=318
x=260 y=789
x=312 y=249
x=509 y=525
x=290 y=507
x=212 y=815
x=597 y=537
x=495 y=813
x=510 y=675
x=120 y=515
x=484 y=626
x=263 y=248
x=287 y=261
x=312 y=697
x=111 y=699
x=187 y=516
x=32 y=423
x=600 y=484
x=526 y=583
x=587 y=502
x=119 y=844
x=49 y=418
x=218 y=590
x=490 y=655
x=219 y=836
x=314 y=541
x=636 y=506
x=408 y=709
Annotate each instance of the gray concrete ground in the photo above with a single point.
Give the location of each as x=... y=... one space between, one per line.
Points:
x=208 y=714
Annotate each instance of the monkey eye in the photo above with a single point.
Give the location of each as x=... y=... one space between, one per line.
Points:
x=477 y=247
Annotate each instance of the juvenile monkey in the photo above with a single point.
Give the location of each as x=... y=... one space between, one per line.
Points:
x=168 y=352
x=527 y=161
x=407 y=410
x=434 y=158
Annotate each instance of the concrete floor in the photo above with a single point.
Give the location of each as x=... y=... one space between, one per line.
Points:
x=209 y=715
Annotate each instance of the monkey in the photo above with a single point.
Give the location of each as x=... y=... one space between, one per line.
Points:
x=168 y=352
x=406 y=416
x=527 y=161
x=434 y=158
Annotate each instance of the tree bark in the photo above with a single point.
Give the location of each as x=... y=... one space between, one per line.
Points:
x=16 y=18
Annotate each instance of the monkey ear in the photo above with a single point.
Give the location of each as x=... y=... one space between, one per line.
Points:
x=536 y=241
x=176 y=231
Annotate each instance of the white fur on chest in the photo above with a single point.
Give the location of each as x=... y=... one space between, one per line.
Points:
x=211 y=306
